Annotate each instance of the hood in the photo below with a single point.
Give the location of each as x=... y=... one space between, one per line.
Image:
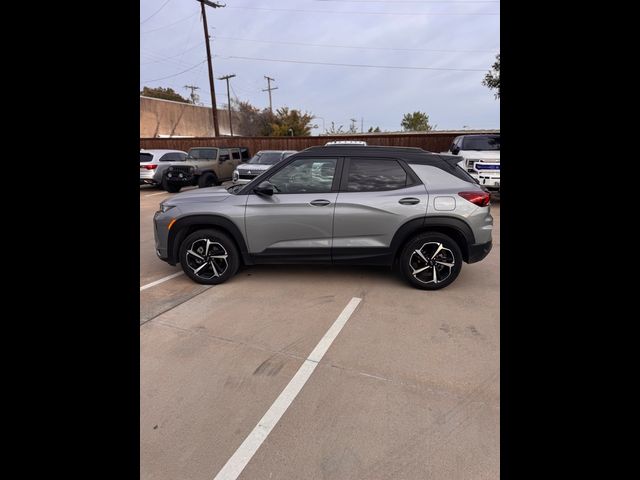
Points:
x=255 y=166
x=211 y=194
x=480 y=154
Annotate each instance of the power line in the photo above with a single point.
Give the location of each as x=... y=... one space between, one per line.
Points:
x=353 y=46
x=154 y=13
x=339 y=12
x=359 y=65
x=172 y=56
x=176 y=74
x=171 y=24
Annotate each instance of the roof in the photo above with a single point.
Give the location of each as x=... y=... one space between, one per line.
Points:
x=367 y=150
x=158 y=150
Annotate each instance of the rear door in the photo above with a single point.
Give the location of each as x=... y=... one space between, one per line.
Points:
x=377 y=196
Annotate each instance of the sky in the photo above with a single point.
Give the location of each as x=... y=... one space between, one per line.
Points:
x=444 y=47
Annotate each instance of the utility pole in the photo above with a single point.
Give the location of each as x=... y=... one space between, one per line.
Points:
x=193 y=88
x=227 y=77
x=214 y=108
x=268 y=89
x=361 y=124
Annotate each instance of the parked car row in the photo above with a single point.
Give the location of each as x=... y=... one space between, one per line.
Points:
x=204 y=166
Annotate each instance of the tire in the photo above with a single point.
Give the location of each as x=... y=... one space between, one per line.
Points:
x=170 y=187
x=208 y=179
x=440 y=251
x=223 y=253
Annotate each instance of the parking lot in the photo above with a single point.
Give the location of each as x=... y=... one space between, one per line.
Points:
x=409 y=388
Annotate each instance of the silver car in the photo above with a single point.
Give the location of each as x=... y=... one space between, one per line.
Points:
x=258 y=164
x=399 y=207
x=154 y=164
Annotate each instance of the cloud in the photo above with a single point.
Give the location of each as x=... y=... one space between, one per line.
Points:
x=381 y=96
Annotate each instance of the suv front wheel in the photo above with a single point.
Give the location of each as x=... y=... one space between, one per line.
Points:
x=431 y=261
x=209 y=257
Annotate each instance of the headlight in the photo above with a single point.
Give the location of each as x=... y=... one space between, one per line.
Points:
x=164 y=208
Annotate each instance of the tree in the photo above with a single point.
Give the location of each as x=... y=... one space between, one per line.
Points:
x=492 y=78
x=373 y=130
x=416 y=122
x=250 y=120
x=291 y=122
x=164 y=93
x=335 y=131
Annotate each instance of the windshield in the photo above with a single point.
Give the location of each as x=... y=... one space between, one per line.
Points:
x=145 y=157
x=481 y=143
x=203 y=153
x=267 y=158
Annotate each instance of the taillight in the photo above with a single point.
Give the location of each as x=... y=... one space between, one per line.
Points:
x=151 y=167
x=477 y=198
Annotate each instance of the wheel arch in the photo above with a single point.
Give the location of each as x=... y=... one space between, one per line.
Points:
x=186 y=225
x=456 y=228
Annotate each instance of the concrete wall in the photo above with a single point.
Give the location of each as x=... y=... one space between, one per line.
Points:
x=167 y=118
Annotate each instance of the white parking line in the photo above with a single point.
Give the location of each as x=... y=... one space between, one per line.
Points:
x=250 y=446
x=157 y=282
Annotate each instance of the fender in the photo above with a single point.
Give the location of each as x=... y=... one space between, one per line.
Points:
x=179 y=229
x=421 y=224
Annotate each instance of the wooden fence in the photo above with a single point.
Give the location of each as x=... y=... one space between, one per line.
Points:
x=433 y=142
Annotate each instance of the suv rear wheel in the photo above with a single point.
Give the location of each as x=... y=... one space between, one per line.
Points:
x=431 y=261
x=209 y=257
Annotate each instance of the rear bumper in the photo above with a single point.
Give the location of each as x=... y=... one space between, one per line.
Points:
x=479 y=251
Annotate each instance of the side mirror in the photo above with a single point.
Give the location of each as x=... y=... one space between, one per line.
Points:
x=455 y=149
x=265 y=188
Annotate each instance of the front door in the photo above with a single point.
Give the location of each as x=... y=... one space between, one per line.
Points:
x=296 y=222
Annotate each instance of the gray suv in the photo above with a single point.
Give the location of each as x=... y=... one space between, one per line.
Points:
x=363 y=205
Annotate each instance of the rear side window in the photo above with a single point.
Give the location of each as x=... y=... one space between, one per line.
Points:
x=145 y=157
x=203 y=153
x=173 y=157
x=224 y=155
x=235 y=154
x=369 y=175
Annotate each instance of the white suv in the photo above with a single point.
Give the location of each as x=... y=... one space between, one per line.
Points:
x=480 y=157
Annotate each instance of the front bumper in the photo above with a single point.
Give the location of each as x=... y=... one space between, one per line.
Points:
x=161 y=233
x=486 y=179
x=479 y=251
x=180 y=178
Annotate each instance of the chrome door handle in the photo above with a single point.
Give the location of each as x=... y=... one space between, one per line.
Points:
x=320 y=203
x=409 y=201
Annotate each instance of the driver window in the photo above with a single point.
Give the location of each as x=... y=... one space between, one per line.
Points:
x=305 y=175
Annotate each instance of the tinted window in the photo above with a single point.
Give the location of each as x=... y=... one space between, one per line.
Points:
x=266 y=158
x=145 y=157
x=366 y=175
x=173 y=157
x=489 y=142
x=235 y=154
x=203 y=153
x=305 y=175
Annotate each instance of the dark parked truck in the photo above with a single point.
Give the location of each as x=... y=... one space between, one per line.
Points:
x=204 y=167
